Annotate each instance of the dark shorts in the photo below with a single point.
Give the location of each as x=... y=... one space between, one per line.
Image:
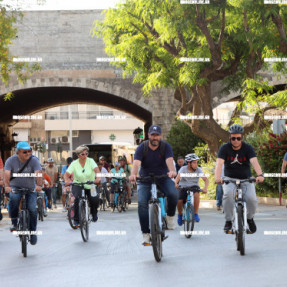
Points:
x=183 y=194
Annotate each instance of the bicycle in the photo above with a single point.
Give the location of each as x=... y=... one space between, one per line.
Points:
x=24 y=220
x=239 y=221
x=157 y=215
x=40 y=207
x=84 y=213
x=119 y=200
x=188 y=217
x=102 y=198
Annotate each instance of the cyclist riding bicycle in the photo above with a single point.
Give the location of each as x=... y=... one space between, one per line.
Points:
x=14 y=178
x=64 y=189
x=153 y=158
x=115 y=180
x=127 y=169
x=84 y=169
x=236 y=156
x=183 y=179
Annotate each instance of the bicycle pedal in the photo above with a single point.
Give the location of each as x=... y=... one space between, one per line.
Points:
x=229 y=232
x=248 y=231
x=146 y=244
x=165 y=238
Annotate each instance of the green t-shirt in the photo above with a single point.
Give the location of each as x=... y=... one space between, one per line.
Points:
x=83 y=174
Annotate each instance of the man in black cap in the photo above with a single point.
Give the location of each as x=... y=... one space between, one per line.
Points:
x=154 y=156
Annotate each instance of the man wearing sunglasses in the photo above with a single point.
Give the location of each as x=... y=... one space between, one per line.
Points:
x=236 y=156
x=13 y=179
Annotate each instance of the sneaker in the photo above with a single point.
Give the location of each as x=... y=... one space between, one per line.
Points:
x=129 y=201
x=45 y=212
x=95 y=218
x=33 y=239
x=55 y=206
x=64 y=209
x=218 y=208
x=170 y=222
x=13 y=228
x=179 y=219
x=146 y=239
x=228 y=226
x=76 y=224
x=196 y=217
x=5 y=206
x=252 y=226
x=49 y=205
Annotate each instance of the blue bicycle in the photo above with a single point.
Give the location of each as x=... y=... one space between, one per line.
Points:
x=157 y=215
x=188 y=217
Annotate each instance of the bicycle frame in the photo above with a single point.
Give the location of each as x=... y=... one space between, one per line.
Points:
x=159 y=203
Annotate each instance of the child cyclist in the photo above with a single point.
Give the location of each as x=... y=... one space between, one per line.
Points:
x=188 y=175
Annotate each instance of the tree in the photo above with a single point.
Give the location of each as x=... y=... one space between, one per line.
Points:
x=182 y=140
x=155 y=36
x=8 y=32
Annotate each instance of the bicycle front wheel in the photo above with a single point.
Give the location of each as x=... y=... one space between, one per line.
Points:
x=189 y=221
x=40 y=209
x=155 y=233
x=240 y=233
x=23 y=226
x=84 y=224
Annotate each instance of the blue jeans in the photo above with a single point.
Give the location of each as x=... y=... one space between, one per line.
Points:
x=14 y=202
x=144 y=193
x=219 y=194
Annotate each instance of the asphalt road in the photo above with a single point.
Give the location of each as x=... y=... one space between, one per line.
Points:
x=61 y=258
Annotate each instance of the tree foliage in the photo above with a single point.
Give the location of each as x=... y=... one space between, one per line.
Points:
x=8 y=32
x=182 y=140
x=235 y=35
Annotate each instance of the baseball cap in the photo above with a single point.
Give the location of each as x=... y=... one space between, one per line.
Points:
x=23 y=145
x=154 y=129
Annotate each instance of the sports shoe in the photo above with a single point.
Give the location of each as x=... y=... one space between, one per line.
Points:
x=76 y=224
x=252 y=226
x=64 y=209
x=179 y=219
x=218 y=208
x=146 y=239
x=33 y=239
x=196 y=217
x=55 y=206
x=49 y=205
x=228 y=226
x=170 y=222
x=45 y=212
x=13 y=228
x=129 y=201
x=95 y=218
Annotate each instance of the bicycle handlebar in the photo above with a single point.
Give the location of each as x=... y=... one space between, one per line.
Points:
x=238 y=181
x=190 y=188
x=152 y=177
x=25 y=190
x=80 y=183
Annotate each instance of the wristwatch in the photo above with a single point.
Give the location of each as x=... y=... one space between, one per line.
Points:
x=260 y=175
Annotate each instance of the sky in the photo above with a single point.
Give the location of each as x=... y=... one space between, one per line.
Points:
x=29 y=5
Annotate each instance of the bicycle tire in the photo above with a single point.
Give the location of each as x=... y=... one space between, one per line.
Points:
x=189 y=221
x=71 y=213
x=241 y=234
x=119 y=203
x=40 y=209
x=84 y=224
x=24 y=237
x=155 y=233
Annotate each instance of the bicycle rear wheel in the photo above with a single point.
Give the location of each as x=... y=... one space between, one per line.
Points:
x=189 y=221
x=71 y=213
x=84 y=224
x=155 y=233
x=240 y=234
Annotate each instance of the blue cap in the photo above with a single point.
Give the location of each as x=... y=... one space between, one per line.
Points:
x=23 y=145
x=154 y=129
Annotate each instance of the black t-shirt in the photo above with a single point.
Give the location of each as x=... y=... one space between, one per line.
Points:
x=236 y=162
x=153 y=162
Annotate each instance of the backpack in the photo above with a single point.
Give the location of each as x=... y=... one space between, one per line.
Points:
x=161 y=148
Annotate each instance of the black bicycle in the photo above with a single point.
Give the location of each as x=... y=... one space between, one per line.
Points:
x=103 y=198
x=23 y=225
x=157 y=215
x=239 y=222
x=84 y=210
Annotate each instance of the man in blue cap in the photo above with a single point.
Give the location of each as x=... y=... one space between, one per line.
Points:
x=154 y=156
x=20 y=171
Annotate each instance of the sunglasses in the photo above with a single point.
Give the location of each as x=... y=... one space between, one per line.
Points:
x=27 y=151
x=236 y=138
x=84 y=153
